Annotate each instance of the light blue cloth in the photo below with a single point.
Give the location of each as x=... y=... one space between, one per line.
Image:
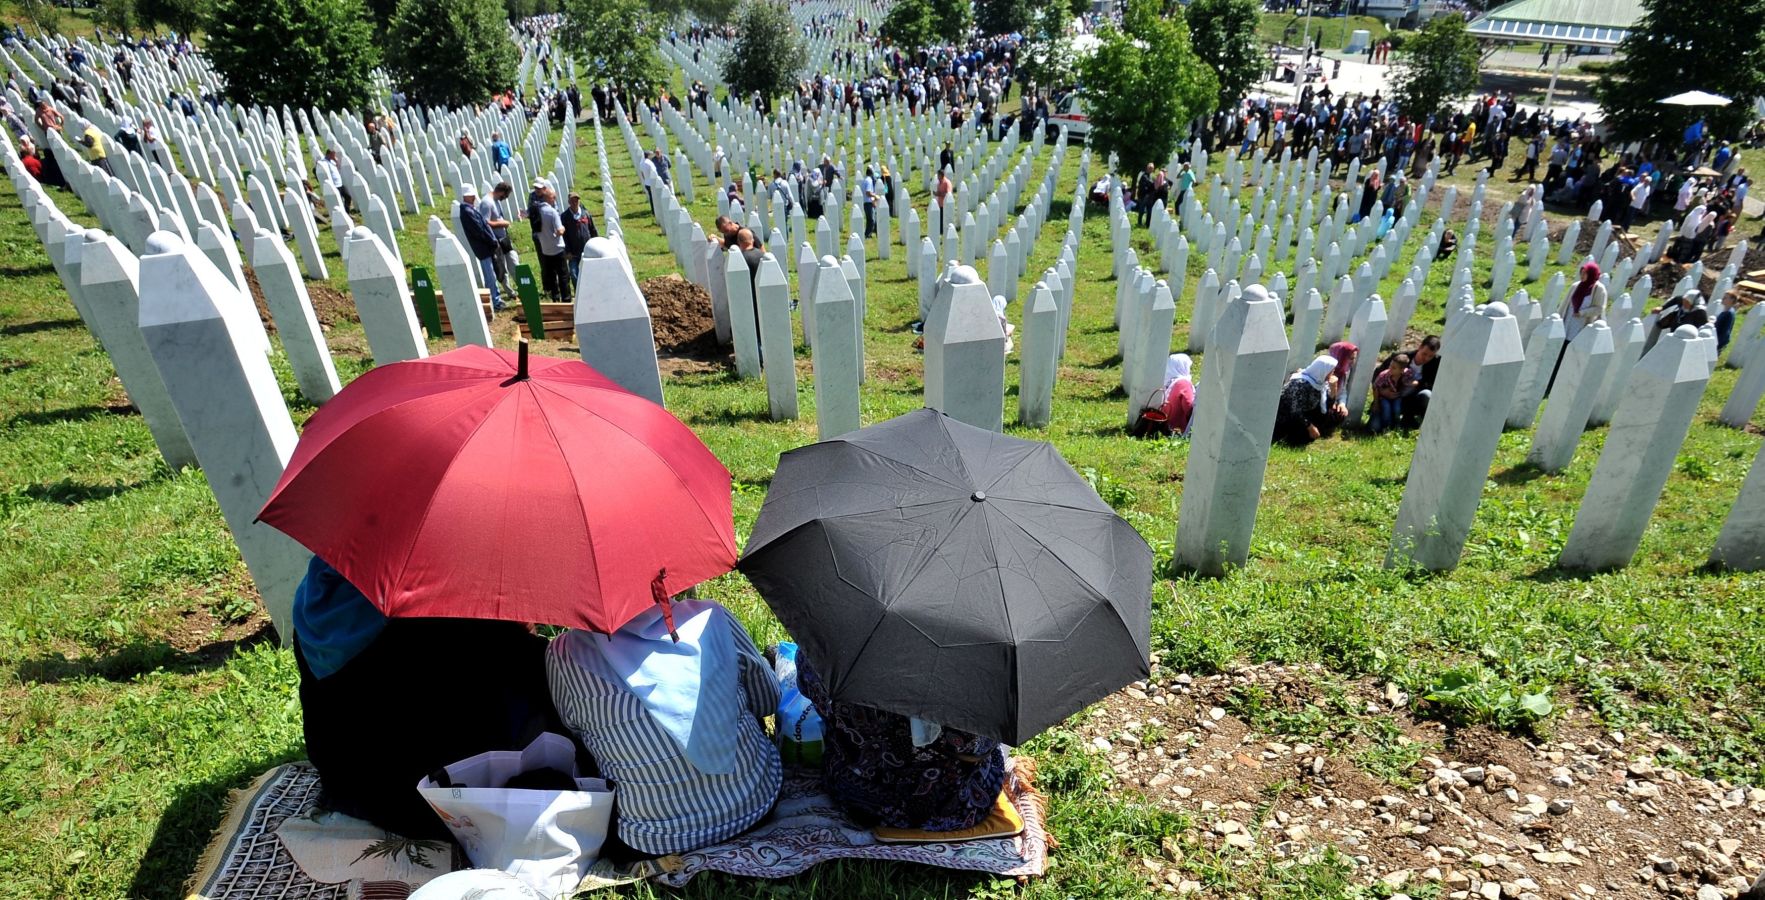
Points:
x=689 y=687
x=333 y=619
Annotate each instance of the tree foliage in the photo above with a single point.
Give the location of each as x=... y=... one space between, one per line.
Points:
x=182 y=16
x=910 y=25
x=1682 y=45
x=1143 y=86
x=615 y=40
x=296 y=52
x=1046 y=56
x=1435 y=65
x=115 y=15
x=43 y=15
x=952 y=20
x=1223 y=33
x=714 y=11
x=450 y=52
x=769 y=51
x=1004 y=16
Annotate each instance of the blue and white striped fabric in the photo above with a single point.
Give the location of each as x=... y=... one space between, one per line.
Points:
x=665 y=804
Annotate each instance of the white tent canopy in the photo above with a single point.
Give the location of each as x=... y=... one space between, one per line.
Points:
x=1697 y=98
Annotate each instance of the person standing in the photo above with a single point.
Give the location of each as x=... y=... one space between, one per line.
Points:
x=548 y=239
x=578 y=231
x=1639 y=200
x=867 y=186
x=499 y=151
x=481 y=241
x=646 y=176
x=495 y=210
x=1144 y=187
x=332 y=174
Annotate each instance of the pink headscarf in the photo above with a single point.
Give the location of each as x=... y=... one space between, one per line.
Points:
x=1590 y=276
x=1344 y=352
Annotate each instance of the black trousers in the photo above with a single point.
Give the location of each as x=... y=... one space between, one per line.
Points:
x=554 y=274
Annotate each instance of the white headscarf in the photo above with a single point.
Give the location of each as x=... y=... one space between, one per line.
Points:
x=1177 y=368
x=1317 y=374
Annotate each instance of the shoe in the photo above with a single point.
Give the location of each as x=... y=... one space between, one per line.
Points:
x=498 y=306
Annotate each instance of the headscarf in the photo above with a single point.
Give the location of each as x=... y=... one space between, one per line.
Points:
x=333 y=619
x=1590 y=276
x=1177 y=368
x=1343 y=352
x=1317 y=374
x=682 y=683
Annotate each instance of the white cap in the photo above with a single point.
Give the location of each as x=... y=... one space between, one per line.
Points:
x=468 y=190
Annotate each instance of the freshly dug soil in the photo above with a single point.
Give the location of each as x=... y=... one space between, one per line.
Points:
x=680 y=312
x=257 y=297
x=331 y=305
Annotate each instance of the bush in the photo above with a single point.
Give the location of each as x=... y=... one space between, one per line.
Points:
x=450 y=52
x=1398 y=37
x=1595 y=66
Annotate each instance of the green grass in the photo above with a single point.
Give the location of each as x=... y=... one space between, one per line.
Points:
x=132 y=697
x=1332 y=32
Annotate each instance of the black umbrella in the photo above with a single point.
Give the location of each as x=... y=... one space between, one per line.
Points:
x=938 y=570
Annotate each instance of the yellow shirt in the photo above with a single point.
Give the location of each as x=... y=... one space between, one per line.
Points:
x=95 y=151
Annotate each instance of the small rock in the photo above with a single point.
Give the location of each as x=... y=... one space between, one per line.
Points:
x=1557 y=858
x=1227 y=826
x=1240 y=840
x=1216 y=714
x=1398 y=878
x=1667 y=865
x=1474 y=775
x=1709 y=892
x=1560 y=806
x=1101 y=744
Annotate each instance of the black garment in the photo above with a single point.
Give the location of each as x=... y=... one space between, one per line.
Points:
x=425 y=694
x=1415 y=405
x=578 y=229
x=554 y=274
x=479 y=236
x=1299 y=408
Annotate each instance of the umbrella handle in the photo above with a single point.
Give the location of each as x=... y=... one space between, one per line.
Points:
x=521 y=360
x=660 y=593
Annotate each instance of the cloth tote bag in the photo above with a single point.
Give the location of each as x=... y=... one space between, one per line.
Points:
x=546 y=838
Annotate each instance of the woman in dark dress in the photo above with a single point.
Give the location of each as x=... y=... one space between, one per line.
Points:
x=1369 y=195
x=1311 y=407
x=388 y=701
x=887 y=770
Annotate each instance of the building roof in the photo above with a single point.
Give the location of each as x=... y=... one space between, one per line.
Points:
x=1582 y=23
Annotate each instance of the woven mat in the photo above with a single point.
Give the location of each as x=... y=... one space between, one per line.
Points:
x=275 y=844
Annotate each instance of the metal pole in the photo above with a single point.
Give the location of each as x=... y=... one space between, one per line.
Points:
x=1550 y=93
x=1299 y=77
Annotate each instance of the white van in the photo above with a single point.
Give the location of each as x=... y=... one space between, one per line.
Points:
x=1069 y=113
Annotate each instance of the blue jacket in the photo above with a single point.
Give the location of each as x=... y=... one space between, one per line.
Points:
x=479 y=237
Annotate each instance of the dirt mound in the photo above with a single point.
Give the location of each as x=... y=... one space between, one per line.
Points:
x=257 y=297
x=330 y=305
x=680 y=312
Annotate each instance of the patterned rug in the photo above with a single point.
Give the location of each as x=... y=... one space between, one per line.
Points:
x=276 y=844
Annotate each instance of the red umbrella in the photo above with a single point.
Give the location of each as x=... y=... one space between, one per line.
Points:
x=472 y=485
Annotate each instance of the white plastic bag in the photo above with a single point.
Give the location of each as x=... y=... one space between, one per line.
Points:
x=548 y=839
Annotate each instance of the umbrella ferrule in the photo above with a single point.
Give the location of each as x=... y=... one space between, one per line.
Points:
x=521 y=360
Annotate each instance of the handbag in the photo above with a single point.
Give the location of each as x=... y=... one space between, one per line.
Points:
x=546 y=838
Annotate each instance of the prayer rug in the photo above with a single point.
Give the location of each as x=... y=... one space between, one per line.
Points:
x=275 y=843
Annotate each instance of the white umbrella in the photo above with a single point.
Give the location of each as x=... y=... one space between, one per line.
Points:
x=1697 y=98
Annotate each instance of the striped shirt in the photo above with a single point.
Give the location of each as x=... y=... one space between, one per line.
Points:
x=665 y=804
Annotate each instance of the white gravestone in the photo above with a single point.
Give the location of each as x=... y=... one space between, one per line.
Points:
x=1741 y=544
x=1038 y=358
x=965 y=354
x=1366 y=331
x=110 y=281
x=772 y=295
x=1475 y=386
x=1308 y=315
x=302 y=339
x=1647 y=430
x=834 y=353
x=613 y=326
x=453 y=271
x=1231 y=429
x=1571 y=400
x=1152 y=336
x=1627 y=341
x=1744 y=399
x=227 y=398
x=744 y=328
x=1542 y=349
x=376 y=281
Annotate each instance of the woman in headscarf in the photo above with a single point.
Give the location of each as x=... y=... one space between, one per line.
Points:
x=1311 y=407
x=1179 y=392
x=1346 y=355
x=362 y=676
x=1586 y=304
x=1369 y=195
x=670 y=707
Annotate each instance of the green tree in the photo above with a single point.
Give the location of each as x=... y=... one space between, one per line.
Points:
x=1143 y=86
x=952 y=20
x=451 y=52
x=910 y=25
x=1434 y=66
x=115 y=15
x=1681 y=45
x=1003 y=16
x=295 y=52
x=1047 y=56
x=182 y=16
x=1223 y=33
x=714 y=11
x=615 y=40
x=43 y=15
x=769 y=51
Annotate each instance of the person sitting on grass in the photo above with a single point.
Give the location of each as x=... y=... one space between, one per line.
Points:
x=891 y=771
x=361 y=675
x=1311 y=404
x=1388 y=388
x=670 y=706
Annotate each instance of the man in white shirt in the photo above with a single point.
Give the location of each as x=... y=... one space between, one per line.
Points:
x=1639 y=200
x=331 y=174
x=646 y=175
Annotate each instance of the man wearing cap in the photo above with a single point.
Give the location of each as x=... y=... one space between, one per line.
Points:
x=496 y=212
x=548 y=239
x=578 y=230
x=480 y=240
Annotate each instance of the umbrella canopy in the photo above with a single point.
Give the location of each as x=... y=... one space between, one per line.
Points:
x=1696 y=98
x=934 y=569
x=471 y=484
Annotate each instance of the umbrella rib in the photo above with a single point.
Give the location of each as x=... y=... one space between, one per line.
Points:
x=665 y=461
x=909 y=466
x=429 y=505
x=1055 y=555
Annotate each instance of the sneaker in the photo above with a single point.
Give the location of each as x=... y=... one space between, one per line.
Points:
x=498 y=306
